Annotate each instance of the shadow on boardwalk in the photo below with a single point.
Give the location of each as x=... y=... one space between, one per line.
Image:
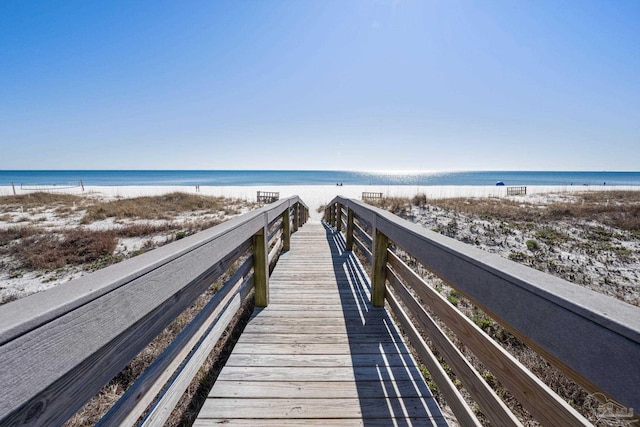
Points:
x=389 y=384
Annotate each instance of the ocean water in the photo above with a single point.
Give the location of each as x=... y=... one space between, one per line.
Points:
x=286 y=177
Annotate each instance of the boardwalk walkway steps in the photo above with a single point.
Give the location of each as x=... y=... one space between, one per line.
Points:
x=320 y=354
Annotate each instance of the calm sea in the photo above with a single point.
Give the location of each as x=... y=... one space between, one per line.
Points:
x=206 y=177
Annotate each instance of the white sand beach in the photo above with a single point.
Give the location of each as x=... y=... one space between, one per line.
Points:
x=317 y=195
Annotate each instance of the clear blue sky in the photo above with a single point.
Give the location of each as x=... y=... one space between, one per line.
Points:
x=300 y=84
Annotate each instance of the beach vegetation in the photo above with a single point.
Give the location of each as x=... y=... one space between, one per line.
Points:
x=397 y=205
x=14 y=233
x=620 y=209
x=518 y=256
x=72 y=247
x=39 y=199
x=453 y=297
x=419 y=200
x=158 y=207
x=550 y=234
x=532 y=245
x=139 y=229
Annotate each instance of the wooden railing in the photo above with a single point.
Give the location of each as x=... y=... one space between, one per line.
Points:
x=592 y=338
x=58 y=348
x=371 y=196
x=267 y=196
x=516 y=191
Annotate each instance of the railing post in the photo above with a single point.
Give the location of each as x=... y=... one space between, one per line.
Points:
x=296 y=208
x=379 y=268
x=286 y=229
x=339 y=217
x=333 y=215
x=349 y=229
x=261 y=265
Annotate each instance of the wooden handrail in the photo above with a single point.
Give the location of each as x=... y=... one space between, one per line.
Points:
x=59 y=347
x=593 y=338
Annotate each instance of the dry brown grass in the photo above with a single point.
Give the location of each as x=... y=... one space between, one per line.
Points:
x=47 y=251
x=39 y=199
x=396 y=205
x=159 y=207
x=14 y=233
x=36 y=248
x=620 y=209
x=142 y=229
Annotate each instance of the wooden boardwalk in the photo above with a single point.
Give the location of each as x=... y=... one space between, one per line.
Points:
x=320 y=354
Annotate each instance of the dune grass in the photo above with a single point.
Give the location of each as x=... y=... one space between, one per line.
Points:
x=620 y=209
x=39 y=199
x=47 y=251
x=159 y=207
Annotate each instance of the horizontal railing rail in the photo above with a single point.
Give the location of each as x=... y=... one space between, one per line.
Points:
x=60 y=347
x=591 y=337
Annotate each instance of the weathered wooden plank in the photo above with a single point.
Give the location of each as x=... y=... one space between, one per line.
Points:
x=311 y=300
x=339 y=422
x=324 y=373
x=319 y=408
x=323 y=360
x=351 y=329
x=298 y=314
x=292 y=320
x=315 y=289
x=310 y=307
x=318 y=389
x=314 y=338
x=315 y=348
